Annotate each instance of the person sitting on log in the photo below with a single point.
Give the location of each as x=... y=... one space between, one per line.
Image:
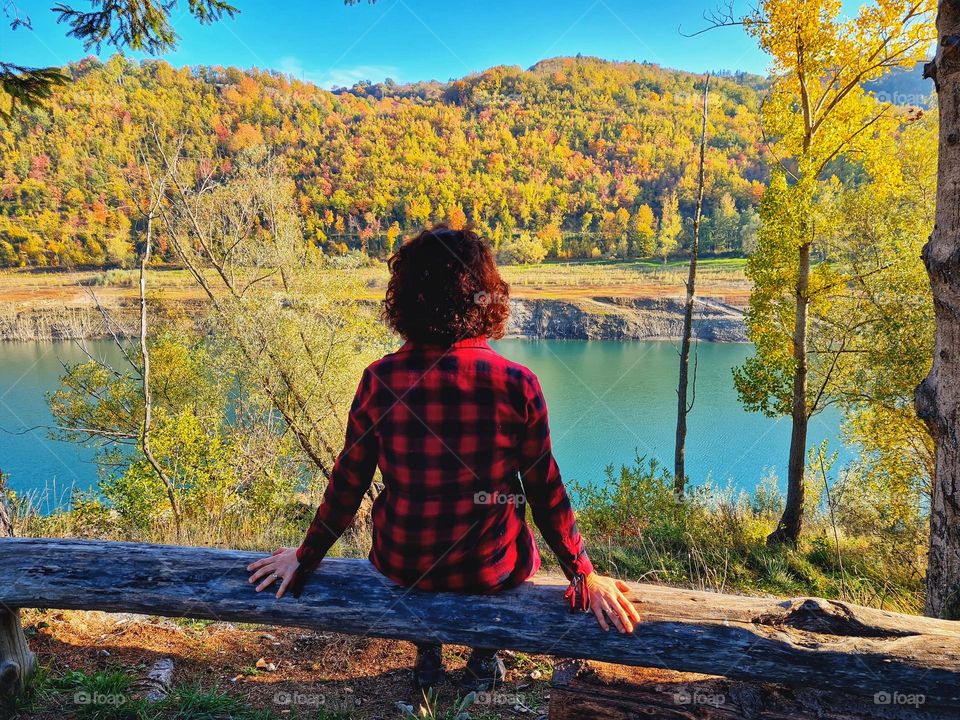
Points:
x=461 y=438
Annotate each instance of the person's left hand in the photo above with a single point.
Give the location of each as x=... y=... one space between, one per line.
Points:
x=609 y=601
x=281 y=565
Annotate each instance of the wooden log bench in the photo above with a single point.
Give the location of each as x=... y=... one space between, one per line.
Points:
x=803 y=643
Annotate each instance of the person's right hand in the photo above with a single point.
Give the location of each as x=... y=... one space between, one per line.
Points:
x=607 y=600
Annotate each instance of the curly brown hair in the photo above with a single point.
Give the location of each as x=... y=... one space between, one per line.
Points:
x=445 y=287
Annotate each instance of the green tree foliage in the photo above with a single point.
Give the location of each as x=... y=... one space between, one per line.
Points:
x=524 y=249
x=294 y=325
x=582 y=144
x=221 y=459
x=725 y=229
x=871 y=323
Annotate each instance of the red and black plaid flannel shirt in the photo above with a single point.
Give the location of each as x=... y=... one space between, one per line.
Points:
x=461 y=438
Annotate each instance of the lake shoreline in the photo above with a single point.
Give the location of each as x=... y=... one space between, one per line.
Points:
x=622 y=318
x=587 y=318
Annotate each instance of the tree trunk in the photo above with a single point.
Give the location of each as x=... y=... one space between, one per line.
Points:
x=6 y=525
x=145 y=370
x=938 y=396
x=788 y=529
x=16 y=661
x=683 y=407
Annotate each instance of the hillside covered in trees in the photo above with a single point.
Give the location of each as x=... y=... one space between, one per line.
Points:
x=576 y=157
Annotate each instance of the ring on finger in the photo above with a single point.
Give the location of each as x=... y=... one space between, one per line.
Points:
x=613 y=614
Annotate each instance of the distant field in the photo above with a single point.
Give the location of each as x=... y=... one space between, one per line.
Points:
x=721 y=278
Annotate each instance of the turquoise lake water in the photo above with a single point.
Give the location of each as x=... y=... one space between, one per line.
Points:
x=608 y=401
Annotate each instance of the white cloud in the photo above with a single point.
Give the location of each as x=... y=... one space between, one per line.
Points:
x=337 y=76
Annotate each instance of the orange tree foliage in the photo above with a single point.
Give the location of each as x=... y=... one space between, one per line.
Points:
x=576 y=152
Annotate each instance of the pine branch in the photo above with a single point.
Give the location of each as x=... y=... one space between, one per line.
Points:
x=27 y=86
x=142 y=25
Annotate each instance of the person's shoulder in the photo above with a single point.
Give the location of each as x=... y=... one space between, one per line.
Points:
x=514 y=370
x=521 y=383
x=380 y=362
x=383 y=365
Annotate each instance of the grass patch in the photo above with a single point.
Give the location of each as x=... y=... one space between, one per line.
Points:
x=113 y=278
x=191 y=702
x=715 y=539
x=105 y=695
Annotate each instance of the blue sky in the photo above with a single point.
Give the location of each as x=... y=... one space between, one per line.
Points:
x=329 y=43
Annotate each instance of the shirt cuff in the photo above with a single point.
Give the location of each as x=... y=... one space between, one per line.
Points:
x=308 y=563
x=583 y=564
x=580 y=565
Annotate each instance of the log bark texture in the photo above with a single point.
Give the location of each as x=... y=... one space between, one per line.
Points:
x=584 y=689
x=17 y=663
x=938 y=396
x=802 y=642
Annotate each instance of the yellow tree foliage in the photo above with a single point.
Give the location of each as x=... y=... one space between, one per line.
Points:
x=822 y=120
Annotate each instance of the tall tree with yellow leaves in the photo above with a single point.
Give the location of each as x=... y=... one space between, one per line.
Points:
x=817 y=113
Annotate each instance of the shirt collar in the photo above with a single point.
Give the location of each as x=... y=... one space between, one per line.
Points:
x=476 y=342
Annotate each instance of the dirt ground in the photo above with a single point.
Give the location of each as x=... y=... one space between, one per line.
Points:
x=283 y=671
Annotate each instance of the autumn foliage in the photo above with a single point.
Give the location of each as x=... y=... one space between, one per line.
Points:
x=575 y=157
